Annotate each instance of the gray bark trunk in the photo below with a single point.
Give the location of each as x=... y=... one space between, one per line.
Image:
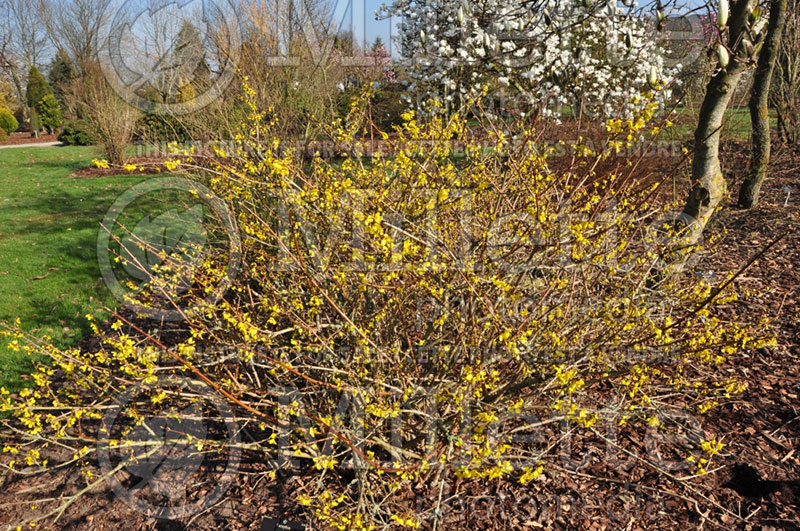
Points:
x=759 y=107
x=709 y=186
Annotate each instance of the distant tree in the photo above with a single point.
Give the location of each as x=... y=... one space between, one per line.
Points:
x=61 y=74
x=189 y=59
x=23 y=41
x=183 y=70
x=38 y=88
x=344 y=41
x=75 y=26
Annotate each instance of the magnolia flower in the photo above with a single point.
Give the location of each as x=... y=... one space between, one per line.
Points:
x=724 y=57
x=619 y=57
x=722 y=18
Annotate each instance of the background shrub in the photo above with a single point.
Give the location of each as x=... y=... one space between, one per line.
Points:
x=7 y=121
x=158 y=127
x=110 y=120
x=3 y=134
x=386 y=106
x=76 y=133
x=50 y=113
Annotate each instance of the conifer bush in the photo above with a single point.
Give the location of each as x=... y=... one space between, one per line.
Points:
x=8 y=122
x=432 y=312
x=50 y=113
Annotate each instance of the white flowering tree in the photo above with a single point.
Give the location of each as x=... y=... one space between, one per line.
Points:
x=593 y=56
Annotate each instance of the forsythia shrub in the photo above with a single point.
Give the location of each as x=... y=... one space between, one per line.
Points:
x=431 y=308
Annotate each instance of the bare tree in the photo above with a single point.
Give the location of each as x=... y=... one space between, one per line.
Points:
x=10 y=66
x=289 y=60
x=23 y=41
x=76 y=26
x=164 y=45
x=26 y=27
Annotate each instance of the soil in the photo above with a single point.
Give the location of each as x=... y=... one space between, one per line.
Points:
x=753 y=485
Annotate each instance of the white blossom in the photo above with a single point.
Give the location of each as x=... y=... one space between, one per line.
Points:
x=563 y=54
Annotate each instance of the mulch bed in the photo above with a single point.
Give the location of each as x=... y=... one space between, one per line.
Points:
x=757 y=486
x=26 y=138
x=150 y=165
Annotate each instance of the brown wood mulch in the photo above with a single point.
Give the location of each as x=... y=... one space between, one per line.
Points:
x=26 y=138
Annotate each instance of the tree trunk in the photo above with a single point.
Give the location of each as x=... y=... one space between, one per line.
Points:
x=709 y=186
x=784 y=96
x=34 y=122
x=759 y=107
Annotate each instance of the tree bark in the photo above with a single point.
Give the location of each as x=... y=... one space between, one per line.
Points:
x=759 y=107
x=709 y=186
x=785 y=87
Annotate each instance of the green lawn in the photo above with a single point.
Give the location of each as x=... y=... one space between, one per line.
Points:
x=49 y=275
x=735 y=126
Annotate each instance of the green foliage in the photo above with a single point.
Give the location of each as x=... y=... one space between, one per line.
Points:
x=158 y=127
x=50 y=113
x=61 y=74
x=3 y=134
x=387 y=106
x=77 y=133
x=7 y=121
x=38 y=88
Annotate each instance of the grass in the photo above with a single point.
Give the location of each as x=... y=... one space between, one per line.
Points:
x=735 y=124
x=49 y=221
